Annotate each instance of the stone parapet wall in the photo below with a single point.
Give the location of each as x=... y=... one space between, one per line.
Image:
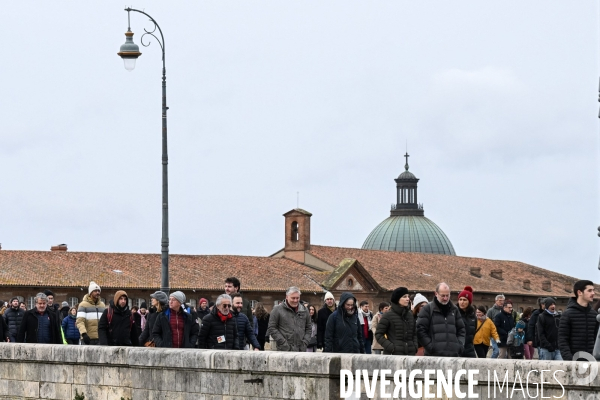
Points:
x=107 y=373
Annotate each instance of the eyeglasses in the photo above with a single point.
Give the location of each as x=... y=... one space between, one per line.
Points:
x=226 y=305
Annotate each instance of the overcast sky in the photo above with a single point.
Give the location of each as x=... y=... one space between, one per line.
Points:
x=497 y=100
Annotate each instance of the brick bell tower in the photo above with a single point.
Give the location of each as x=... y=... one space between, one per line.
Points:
x=297 y=234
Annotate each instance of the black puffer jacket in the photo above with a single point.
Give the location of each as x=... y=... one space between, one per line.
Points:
x=146 y=335
x=504 y=323
x=322 y=317
x=343 y=333
x=212 y=328
x=13 y=319
x=441 y=335
x=577 y=330
x=470 y=321
x=162 y=335
x=121 y=330
x=399 y=325
x=547 y=331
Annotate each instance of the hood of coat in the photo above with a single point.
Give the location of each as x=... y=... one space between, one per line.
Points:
x=398 y=309
x=344 y=298
x=574 y=304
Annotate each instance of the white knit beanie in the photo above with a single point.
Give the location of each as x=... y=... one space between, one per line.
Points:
x=419 y=298
x=93 y=286
x=328 y=295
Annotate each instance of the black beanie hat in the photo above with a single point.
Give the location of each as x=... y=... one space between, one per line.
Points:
x=397 y=294
x=49 y=292
x=548 y=302
x=143 y=305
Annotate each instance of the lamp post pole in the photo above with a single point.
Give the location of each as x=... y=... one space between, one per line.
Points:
x=130 y=52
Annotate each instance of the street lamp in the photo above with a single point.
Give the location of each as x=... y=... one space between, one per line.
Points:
x=129 y=52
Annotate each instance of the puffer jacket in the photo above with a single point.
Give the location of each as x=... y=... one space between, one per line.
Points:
x=547 y=331
x=577 y=330
x=13 y=319
x=470 y=321
x=442 y=336
x=28 y=331
x=88 y=316
x=245 y=331
x=343 y=333
x=212 y=328
x=398 y=324
x=163 y=336
x=504 y=323
x=69 y=327
x=290 y=329
x=530 y=333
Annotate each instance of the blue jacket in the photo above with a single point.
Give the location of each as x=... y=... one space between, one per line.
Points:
x=343 y=332
x=245 y=331
x=69 y=328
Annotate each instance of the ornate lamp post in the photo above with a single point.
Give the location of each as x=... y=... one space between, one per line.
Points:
x=129 y=52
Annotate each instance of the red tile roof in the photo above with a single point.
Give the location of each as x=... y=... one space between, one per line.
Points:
x=76 y=269
x=422 y=272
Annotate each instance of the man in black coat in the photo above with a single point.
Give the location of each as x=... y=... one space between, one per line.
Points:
x=322 y=316
x=117 y=326
x=39 y=325
x=440 y=328
x=219 y=328
x=578 y=325
x=504 y=323
x=14 y=317
x=531 y=336
x=343 y=333
x=547 y=332
x=174 y=327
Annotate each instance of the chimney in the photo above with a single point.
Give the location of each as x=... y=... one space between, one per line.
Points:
x=496 y=274
x=475 y=271
x=59 y=247
x=527 y=284
x=547 y=286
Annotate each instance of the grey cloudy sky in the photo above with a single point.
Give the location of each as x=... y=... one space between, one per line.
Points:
x=497 y=101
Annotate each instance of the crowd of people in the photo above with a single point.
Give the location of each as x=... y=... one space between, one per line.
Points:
x=403 y=326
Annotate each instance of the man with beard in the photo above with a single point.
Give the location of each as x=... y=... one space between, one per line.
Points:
x=244 y=329
x=117 y=326
x=343 y=333
x=328 y=308
x=440 y=328
x=203 y=310
x=88 y=314
x=14 y=316
x=547 y=331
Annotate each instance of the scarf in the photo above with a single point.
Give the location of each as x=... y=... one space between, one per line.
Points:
x=551 y=313
x=224 y=318
x=444 y=308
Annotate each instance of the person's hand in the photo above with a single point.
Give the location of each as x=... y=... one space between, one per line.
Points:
x=255 y=349
x=86 y=338
x=8 y=339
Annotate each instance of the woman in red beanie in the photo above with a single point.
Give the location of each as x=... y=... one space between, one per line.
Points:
x=467 y=311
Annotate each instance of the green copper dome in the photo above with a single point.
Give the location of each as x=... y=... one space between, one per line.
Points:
x=411 y=234
x=407 y=229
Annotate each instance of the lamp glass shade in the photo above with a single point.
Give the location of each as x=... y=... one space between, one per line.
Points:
x=129 y=63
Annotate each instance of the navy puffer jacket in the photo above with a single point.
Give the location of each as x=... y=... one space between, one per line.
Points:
x=69 y=327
